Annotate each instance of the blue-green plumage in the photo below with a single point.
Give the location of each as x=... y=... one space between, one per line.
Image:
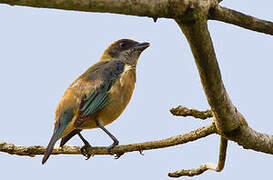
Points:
x=58 y=130
x=97 y=98
x=99 y=95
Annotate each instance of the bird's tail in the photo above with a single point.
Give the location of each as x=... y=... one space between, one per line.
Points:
x=56 y=135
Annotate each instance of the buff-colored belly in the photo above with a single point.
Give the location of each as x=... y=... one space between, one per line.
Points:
x=120 y=95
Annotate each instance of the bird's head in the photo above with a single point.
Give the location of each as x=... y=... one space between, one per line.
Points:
x=125 y=50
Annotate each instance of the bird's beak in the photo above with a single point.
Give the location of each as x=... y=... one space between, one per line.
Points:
x=141 y=46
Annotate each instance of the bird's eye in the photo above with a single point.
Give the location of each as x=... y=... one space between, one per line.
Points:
x=122 y=44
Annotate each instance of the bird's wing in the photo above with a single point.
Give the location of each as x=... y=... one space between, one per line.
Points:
x=98 y=95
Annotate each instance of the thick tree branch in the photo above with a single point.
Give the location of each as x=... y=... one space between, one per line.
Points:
x=229 y=122
x=172 y=141
x=174 y=9
x=191 y=16
x=201 y=45
x=233 y=17
x=183 y=111
x=207 y=166
x=251 y=139
x=151 y=8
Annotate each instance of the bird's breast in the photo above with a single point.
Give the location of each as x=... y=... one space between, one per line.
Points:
x=120 y=95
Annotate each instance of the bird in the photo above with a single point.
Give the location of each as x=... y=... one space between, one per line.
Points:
x=98 y=96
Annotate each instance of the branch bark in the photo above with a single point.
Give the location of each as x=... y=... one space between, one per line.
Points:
x=151 y=8
x=202 y=48
x=119 y=150
x=191 y=16
x=236 y=18
x=183 y=111
x=229 y=122
x=175 y=9
x=208 y=166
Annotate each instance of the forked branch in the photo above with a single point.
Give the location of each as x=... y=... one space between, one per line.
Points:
x=229 y=122
x=191 y=16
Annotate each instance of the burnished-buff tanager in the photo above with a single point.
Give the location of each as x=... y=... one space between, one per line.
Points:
x=98 y=96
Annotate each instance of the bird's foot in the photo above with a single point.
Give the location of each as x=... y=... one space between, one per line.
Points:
x=84 y=151
x=116 y=154
x=141 y=152
x=110 y=148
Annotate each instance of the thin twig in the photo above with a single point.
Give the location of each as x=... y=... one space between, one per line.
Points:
x=172 y=141
x=233 y=17
x=222 y=154
x=207 y=166
x=183 y=111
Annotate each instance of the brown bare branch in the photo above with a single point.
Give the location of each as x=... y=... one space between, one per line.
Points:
x=191 y=16
x=172 y=141
x=193 y=172
x=207 y=166
x=201 y=45
x=233 y=17
x=183 y=111
x=222 y=154
x=229 y=122
x=251 y=139
x=151 y=8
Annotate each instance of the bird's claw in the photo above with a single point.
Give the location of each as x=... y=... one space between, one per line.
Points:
x=141 y=152
x=84 y=151
x=110 y=148
x=118 y=155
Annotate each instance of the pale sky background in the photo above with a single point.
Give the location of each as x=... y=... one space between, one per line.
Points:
x=43 y=50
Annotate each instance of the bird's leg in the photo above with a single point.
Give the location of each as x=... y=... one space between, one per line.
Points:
x=84 y=149
x=69 y=136
x=116 y=142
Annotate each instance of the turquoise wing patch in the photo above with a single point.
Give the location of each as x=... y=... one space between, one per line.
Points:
x=96 y=100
